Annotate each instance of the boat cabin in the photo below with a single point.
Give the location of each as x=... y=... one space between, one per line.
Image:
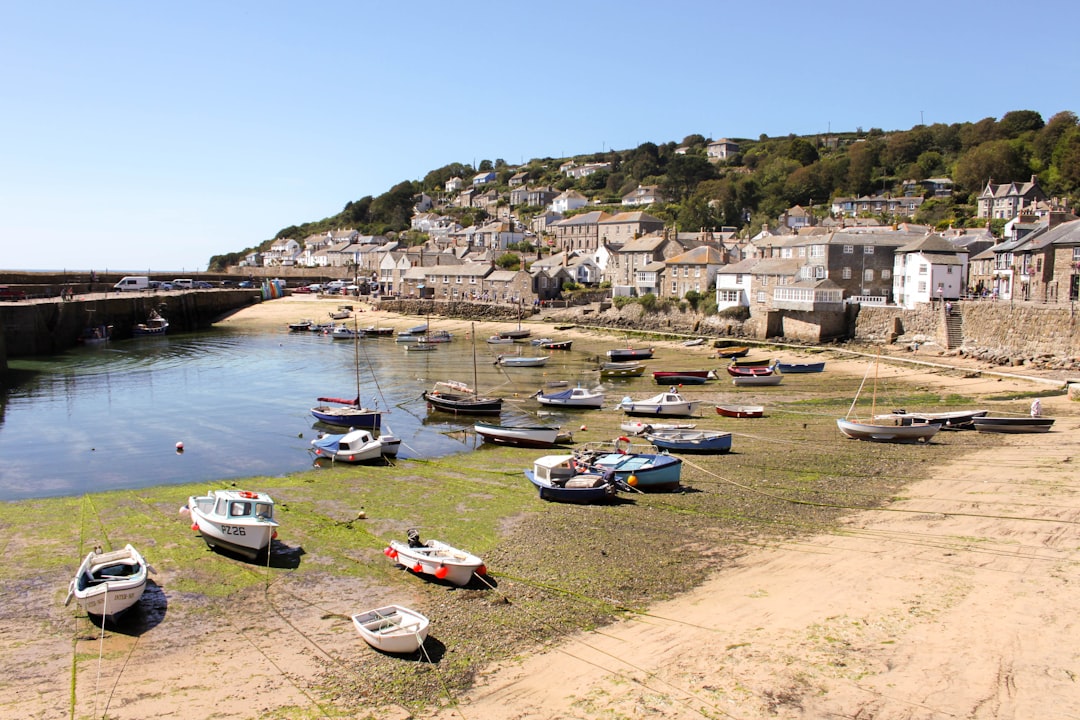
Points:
x=243 y=504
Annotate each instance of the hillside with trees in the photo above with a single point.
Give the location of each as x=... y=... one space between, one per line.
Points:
x=766 y=177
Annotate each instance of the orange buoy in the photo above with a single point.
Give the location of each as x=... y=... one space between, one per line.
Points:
x=418 y=568
x=632 y=481
x=441 y=572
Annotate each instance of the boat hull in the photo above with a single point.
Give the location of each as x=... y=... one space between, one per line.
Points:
x=643 y=471
x=801 y=367
x=741 y=411
x=1013 y=425
x=710 y=442
x=627 y=354
x=348 y=417
x=575 y=398
x=246 y=535
x=751 y=380
x=108 y=584
x=535 y=437
x=732 y=352
x=392 y=629
x=887 y=433
x=463 y=404
x=429 y=558
x=599 y=493
x=622 y=372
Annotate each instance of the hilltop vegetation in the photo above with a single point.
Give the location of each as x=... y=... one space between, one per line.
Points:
x=766 y=177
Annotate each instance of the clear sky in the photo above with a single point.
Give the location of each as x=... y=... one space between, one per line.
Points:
x=153 y=135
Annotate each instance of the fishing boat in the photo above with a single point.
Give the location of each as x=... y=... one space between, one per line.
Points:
x=416 y=330
x=496 y=340
x=691 y=441
x=1013 y=424
x=880 y=430
x=578 y=397
x=678 y=380
x=519 y=435
x=421 y=346
x=756 y=380
x=812 y=367
x=155 y=325
x=949 y=420
x=96 y=334
x=379 y=332
x=344 y=332
x=522 y=360
x=555 y=344
x=751 y=370
x=559 y=479
x=629 y=354
x=636 y=427
x=457 y=397
x=436 y=558
x=355 y=446
x=732 y=352
x=392 y=629
x=741 y=411
x=236 y=520
x=438 y=336
x=301 y=325
x=666 y=403
x=109 y=583
x=638 y=466
x=622 y=369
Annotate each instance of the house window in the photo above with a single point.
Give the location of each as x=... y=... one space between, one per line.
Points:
x=948 y=270
x=868 y=276
x=817 y=251
x=802 y=252
x=923 y=267
x=760 y=296
x=849 y=249
x=739 y=278
x=868 y=249
x=1076 y=254
x=886 y=274
x=674 y=288
x=686 y=271
x=846 y=273
x=819 y=272
x=922 y=286
x=764 y=281
x=730 y=296
x=458 y=279
x=697 y=272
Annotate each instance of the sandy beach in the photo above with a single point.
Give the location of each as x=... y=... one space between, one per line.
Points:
x=957 y=599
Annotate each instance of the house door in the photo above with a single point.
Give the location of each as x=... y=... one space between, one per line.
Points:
x=1074 y=287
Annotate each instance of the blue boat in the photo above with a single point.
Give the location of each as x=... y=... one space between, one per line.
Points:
x=789 y=368
x=348 y=414
x=560 y=478
x=693 y=441
x=643 y=471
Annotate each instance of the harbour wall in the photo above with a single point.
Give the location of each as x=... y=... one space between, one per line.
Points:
x=43 y=327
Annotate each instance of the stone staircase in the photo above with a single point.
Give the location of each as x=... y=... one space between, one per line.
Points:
x=954 y=328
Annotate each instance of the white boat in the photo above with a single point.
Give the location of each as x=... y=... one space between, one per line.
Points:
x=499 y=340
x=519 y=436
x=522 y=360
x=108 y=583
x=949 y=420
x=237 y=520
x=637 y=427
x=356 y=446
x=436 y=558
x=666 y=403
x=392 y=629
x=344 y=332
x=900 y=430
x=755 y=380
x=578 y=397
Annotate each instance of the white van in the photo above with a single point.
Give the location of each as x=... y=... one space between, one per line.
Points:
x=132 y=282
x=183 y=284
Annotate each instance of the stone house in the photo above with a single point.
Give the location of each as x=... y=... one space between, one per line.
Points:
x=721 y=150
x=580 y=232
x=928 y=269
x=859 y=261
x=796 y=217
x=625 y=226
x=534 y=196
x=1005 y=201
x=765 y=276
x=637 y=266
x=518 y=179
x=691 y=270
x=495 y=236
x=508 y=286
x=1046 y=262
x=456 y=282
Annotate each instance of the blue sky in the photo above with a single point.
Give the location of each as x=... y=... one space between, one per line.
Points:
x=142 y=135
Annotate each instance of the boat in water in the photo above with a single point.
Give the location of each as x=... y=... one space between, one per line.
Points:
x=155 y=325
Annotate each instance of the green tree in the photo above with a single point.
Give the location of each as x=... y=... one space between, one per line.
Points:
x=509 y=261
x=997 y=160
x=1017 y=122
x=1047 y=138
x=683 y=174
x=1067 y=160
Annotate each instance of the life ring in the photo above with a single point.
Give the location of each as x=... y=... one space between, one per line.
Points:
x=247 y=494
x=622 y=439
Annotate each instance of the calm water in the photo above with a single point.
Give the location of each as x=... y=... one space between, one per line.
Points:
x=110 y=416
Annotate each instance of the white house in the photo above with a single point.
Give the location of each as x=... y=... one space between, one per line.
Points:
x=733 y=284
x=568 y=200
x=927 y=270
x=453 y=184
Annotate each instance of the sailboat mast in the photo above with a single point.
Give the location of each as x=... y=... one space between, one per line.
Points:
x=472 y=332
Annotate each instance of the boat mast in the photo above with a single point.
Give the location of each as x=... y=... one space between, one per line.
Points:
x=472 y=332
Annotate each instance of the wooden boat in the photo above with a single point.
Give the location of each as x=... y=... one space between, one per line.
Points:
x=639 y=467
x=666 y=403
x=693 y=343
x=622 y=370
x=236 y=520
x=555 y=344
x=557 y=478
x=392 y=629
x=949 y=420
x=677 y=380
x=564 y=327
x=753 y=380
x=749 y=362
x=347 y=413
x=628 y=354
x=741 y=411
x=732 y=352
x=883 y=431
x=436 y=558
x=1013 y=424
x=519 y=436
x=578 y=397
x=691 y=441
x=517 y=334
x=356 y=446
x=457 y=397
x=155 y=325
x=379 y=332
x=788 y=368
x=301 y=325
x=636 y=427
x=522 y=360
x=109 y=583
x=416 y=330
x=751 y=370
x=421 y=346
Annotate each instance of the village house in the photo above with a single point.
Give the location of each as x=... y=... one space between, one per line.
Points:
x=626 y=226
x=282 y=252
x=508 y=286
x=456 y=282
x=533 y=197
x=567 y=201
x=796 y=218
x=860 y=262
x=1005 y=201
x=693 y=270
x=643 y=195
x=928 y=269
x=518 y=179
x=453 y=184
x=1044 y=263
x=483 y=178
x=636 y=267
x=496 y=236
x=765 y=276
x=580 y=232
x=579 y=171
x=733 y=284
x=721 y=150
x=937 y=187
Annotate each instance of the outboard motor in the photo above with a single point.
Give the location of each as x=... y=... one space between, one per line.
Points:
x=414 y=538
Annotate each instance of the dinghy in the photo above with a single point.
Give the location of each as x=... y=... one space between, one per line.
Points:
x=436 y=558
x=109 y=583
x=392 y=629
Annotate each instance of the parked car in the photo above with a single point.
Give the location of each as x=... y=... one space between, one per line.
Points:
x=228 y=283
x=166 y=286
x=246 y=284
x=201 y=285
x=302 y=290
x=10 y=293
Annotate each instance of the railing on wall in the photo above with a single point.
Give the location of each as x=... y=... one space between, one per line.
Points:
x=867 y=300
